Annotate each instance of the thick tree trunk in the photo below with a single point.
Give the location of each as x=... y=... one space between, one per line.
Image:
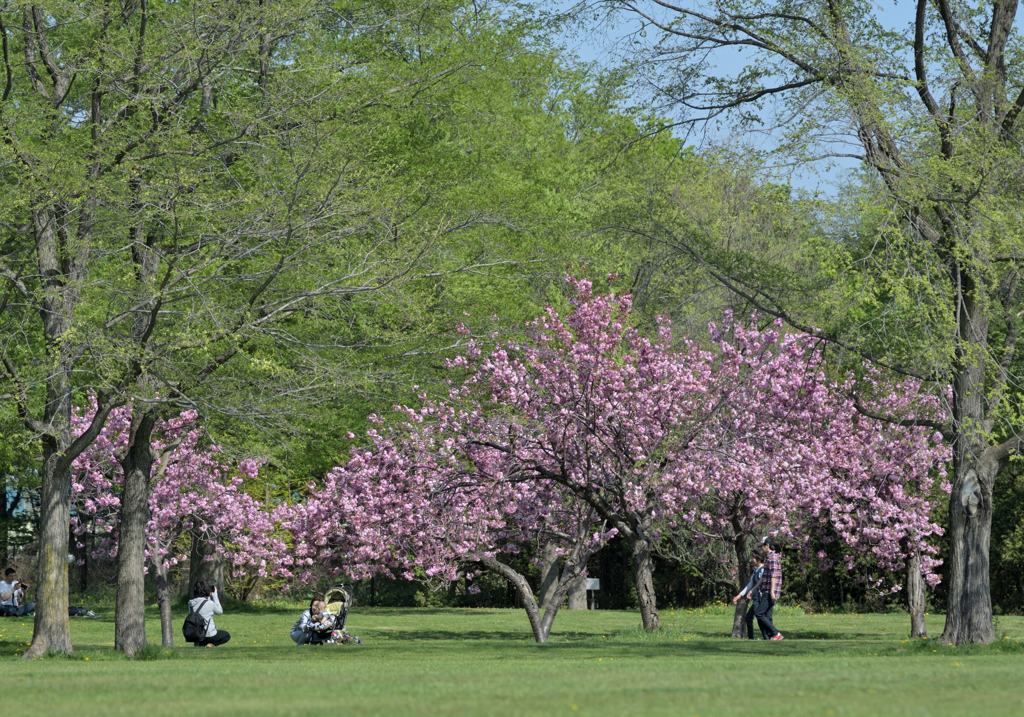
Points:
x=577 y=593
x=137 y=465
x=916 y=596
x=52 y=631
x=163 y=598
x=199 y=568
x=969 y=611
x=643 y=572
x=969 y=608
x=743 y=572
x=548 y=574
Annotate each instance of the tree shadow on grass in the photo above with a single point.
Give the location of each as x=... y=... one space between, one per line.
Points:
x=432 y=611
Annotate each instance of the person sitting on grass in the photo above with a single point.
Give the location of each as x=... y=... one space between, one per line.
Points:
x=303 y=629
x=207 y=604
x=751 y=591
x=12 y=594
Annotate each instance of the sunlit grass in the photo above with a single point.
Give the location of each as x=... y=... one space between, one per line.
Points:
x=483 y=661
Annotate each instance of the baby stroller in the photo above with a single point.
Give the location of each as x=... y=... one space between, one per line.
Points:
x=331 y=630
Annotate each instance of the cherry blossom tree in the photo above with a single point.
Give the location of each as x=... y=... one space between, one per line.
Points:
x=194 y=492
x=798 y=456
x=588 y=411
x=429 y=500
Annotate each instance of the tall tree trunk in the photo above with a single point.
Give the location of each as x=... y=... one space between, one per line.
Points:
x=163 y=598
x=969 y=609
x=51 y=630
x=137 y=466
x=548 y=573
x=643 y=572
x=916 y=596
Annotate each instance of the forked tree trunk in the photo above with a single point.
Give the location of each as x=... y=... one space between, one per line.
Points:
x=137 y=466
x=643 y=572
x=539 y=623
x=163 y=598
x=916 y=597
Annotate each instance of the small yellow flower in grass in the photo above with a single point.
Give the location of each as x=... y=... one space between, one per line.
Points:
x=87 y=659
x=572 y=707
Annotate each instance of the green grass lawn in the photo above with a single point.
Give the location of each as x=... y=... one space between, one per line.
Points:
x=484 y=662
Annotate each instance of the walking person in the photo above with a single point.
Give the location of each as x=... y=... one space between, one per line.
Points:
x=751 y=592
x=770 y=590
x=207 y=604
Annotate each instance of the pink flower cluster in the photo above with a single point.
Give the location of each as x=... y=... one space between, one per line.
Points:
x=193 y=492
x=588 y=422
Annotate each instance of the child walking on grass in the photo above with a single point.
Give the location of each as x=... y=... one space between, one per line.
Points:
x=751 y=591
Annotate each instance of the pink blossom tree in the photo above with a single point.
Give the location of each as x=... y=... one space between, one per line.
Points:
x=588 y=411
x=430 y=500
x=793 y=454
x=193 y=492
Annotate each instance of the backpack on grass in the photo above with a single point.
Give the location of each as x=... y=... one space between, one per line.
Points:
x=194 y=628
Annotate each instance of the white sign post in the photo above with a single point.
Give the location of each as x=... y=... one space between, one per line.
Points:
x=593 y=585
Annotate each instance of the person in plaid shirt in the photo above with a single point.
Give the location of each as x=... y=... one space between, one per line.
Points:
x=769 y=591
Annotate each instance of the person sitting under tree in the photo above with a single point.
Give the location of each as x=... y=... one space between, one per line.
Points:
x=308 y=622
x=207 y=604
x=12 y=593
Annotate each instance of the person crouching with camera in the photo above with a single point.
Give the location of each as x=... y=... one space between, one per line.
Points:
x=207 y=604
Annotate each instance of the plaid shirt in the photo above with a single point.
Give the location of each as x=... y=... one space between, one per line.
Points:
x=772 y=569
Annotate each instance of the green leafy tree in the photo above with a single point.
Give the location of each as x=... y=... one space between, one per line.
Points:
x=932 y=113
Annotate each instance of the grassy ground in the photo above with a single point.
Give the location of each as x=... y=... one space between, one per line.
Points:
x=484 y=662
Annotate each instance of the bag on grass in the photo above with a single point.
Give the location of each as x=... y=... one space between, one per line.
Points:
x=194 y=628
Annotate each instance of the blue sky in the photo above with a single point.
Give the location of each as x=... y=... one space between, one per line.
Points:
x=605 y=44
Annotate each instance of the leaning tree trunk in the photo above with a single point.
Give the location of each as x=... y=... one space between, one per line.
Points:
x=540 y=624
x=137 y=466
x=51 y=630
x=643 y=572
x=916 y=596
x=969 y=609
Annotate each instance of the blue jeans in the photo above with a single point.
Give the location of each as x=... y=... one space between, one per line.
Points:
x=763 y=613
x=17 y=611
x=749 y=620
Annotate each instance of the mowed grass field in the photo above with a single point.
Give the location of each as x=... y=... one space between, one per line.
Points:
x=484 y=662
